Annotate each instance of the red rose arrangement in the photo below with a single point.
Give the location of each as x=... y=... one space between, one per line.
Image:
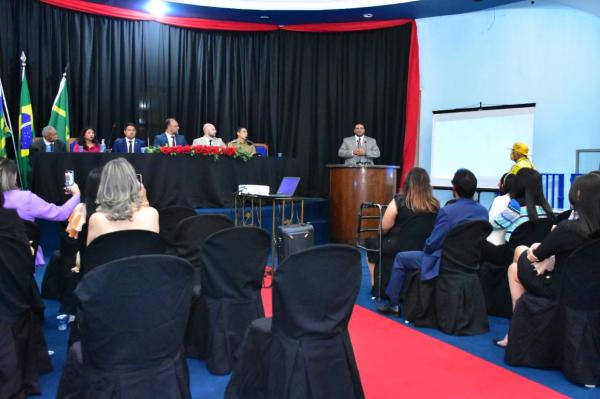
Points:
x=204 y=150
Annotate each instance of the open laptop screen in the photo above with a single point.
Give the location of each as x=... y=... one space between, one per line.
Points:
x=288 y=186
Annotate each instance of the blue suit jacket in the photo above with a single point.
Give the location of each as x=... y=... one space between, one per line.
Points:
x=160 y=140
x=120 y=145
x=463 y=210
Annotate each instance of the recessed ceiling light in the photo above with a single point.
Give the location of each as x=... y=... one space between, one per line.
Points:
x=368 y=15
x=264 y=17
x=157 y=8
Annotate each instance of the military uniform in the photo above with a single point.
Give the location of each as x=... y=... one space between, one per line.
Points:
x=242 y=146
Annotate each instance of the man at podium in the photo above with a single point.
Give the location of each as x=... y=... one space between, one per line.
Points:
x=359 y=149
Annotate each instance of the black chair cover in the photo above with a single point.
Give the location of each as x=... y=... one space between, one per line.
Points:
x=409 y=236
x=493 y=278
x=562 y=333
x=459 y=303
x=306 y=352
x=134 y=312
x=120 y=244
x=168 y=218
x=189 y=237
x=114 y=246
x=23 y=350
x=234 y=261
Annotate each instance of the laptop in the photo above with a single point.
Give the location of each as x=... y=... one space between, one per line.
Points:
x=287 y=187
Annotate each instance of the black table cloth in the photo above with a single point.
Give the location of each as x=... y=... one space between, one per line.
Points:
x=196 y=182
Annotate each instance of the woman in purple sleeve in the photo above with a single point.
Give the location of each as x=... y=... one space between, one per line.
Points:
x=28 y=205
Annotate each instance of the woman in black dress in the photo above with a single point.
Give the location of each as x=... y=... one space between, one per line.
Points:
x=536 y=269
x=415 y=202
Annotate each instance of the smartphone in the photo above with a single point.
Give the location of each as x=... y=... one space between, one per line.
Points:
x=69 y=178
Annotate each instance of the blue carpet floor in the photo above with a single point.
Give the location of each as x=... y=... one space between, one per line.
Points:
x=207 y=386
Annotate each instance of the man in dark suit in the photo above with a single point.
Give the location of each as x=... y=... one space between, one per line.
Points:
x=465 y=209
x=170 y=137
x=49 y=143
x=129 y=143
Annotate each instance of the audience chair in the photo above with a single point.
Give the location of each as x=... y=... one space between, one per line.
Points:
x=120 y=244
x=134 y=312
x=190 y=235
x=413 y=234
x=452 y=302
x=23 y=350
x=304 y=351
x=262 y=149
x=493 y=278
x=168 y=218
x=562 y=333
x=234 y=261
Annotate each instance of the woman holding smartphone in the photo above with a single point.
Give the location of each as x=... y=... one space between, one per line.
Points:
x=28 y=205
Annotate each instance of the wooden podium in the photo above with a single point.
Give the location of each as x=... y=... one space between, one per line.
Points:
x=350 y=186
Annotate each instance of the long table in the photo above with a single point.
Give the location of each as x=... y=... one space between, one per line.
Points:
x=197 y=182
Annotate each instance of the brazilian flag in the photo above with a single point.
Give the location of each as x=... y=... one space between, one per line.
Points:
x=59 y=116
x=26 y=132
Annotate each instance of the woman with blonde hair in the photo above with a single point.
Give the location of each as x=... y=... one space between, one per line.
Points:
x=121 y=201
x=414 y=208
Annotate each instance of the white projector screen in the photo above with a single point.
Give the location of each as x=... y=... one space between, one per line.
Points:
x=479 y=140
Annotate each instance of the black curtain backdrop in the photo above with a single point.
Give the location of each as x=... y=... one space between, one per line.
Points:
x=301 y=93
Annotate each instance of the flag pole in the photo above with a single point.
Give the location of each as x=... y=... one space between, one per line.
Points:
x=23 y=65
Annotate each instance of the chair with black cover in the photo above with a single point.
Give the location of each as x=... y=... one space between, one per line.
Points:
x=189 y=237
x=234 y=261
x=493 y=278
x=168 y=218
x=121 y=244
x=409 y=236
x=304 y=351
x=452 y=302
x=23 y=350
x=564 y=332
x=134 y=312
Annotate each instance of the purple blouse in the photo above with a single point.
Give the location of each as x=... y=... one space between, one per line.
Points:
x=29 y=207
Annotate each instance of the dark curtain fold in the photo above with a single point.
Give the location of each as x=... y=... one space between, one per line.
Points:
x=301 y=93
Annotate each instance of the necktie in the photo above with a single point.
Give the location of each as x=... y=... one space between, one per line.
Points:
x=210 y=143
x=130 y=147
x=173 y=141
x=51 y=147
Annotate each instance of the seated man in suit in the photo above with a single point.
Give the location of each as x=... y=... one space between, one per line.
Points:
x=210 y=137
x=129 y=143
x=464 y=209
x=170 y=137
x=242 y=143
x=359 y=149
x=49 y=143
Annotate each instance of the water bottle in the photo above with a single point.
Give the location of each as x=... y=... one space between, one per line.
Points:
x=80 y=148
x=102 y=146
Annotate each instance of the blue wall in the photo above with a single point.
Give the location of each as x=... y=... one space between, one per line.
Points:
x=543 y=53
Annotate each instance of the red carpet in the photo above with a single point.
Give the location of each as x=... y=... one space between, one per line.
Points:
x=398 y=362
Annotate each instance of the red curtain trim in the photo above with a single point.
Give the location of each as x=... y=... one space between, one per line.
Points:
x=124 y=13
x=413 y=92
x=413 y=86
x=347 y=26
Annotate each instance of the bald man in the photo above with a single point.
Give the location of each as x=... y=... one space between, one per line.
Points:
x=210 y=137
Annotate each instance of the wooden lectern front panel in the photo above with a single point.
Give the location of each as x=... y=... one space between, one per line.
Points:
x=349 y=187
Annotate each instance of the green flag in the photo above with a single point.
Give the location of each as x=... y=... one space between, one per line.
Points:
x=26 y=131
x=59 y=116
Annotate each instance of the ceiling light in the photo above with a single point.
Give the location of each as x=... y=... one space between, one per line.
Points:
x=157 y=8
x=368 y=15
